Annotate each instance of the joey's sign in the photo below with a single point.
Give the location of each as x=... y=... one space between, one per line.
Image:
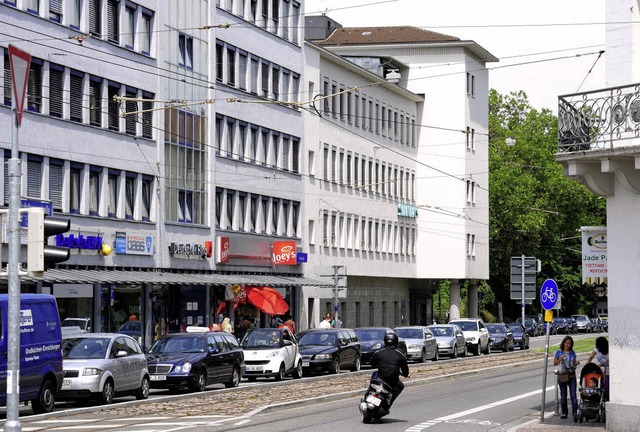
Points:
x=284 y=253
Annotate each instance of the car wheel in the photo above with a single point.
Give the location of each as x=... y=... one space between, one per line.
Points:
x=455 y=352
x=476 y=349
x=201 y=382
x=280 y=374
x=423 y=356
x=356 y=365
x=143 y=391
x=46 y=398
x=465 y=351
x=335 y=367
x=298 y=373
x=107 y=392
x=488 y=350
x=436 y=356
x=235 y=378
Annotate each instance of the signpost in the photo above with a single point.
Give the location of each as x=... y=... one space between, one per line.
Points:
x=523 y=280
x=548 y=297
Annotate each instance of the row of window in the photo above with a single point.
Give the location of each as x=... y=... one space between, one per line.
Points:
x=353 y=317
x=84 y=189
x=70 y=94
x=364 y=234
x=248 y=72
x=362 y=111
x=281 y=17
x=123 y=23
x=366 y=173
x=185 y=161
x=252 y=143
x=242 y=211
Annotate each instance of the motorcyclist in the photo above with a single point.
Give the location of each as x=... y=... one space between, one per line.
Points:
x=391 y=363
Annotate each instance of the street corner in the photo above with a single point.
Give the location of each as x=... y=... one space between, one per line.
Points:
x=553 y=423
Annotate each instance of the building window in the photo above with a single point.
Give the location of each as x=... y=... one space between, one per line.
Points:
x=113 y=90
x=94 y=190
x=242 y=71
x=112 y=182
x=113 y=24
x=295 y=19
x=95 y=101
x=275 y=81
x=95 y=17
x=219 y=62
x=471 y=192
x=471 y=245
x=265 y=79
x=75 y=96
x=145 y=32
x=254 y=75
x=33 y=6
x=129 y=24
x=185 y=46
x=56 y=176
x=75 y=6
x=147 y=115
x=218 y=204
x=131 y=119
x=231 y=66
x=75 y=175
x=55 y=10
x=34 y=89
x=145 y=209
x=130 y=195
x=34 y=176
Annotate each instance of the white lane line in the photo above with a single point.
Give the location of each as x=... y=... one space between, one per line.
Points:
x=66 y=421
x=240 y=423
x=419 y=427
x=139 y=418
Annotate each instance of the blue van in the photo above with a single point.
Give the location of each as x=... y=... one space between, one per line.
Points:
x=40 y=350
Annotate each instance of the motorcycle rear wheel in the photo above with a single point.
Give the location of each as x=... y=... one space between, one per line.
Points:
x=367 y=418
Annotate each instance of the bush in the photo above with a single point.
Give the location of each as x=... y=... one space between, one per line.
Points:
x=487 y=316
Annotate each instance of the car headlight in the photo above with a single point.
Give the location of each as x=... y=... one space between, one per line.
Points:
x=414 y=347
x=273 y=354
x=444 y=344
x=91 y=371
x=498 y=339
x=185 y=368
x=323 y=357
x=471 y=339
x=376 y=346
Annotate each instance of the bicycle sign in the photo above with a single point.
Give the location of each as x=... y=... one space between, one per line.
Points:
x=549 y=294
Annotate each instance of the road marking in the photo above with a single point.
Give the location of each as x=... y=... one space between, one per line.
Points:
x=240 y=423
x=424 y=425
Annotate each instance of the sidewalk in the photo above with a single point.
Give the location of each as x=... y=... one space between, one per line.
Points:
x=553 y=423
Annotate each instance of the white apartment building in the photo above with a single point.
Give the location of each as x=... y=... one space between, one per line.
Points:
x=437 y=106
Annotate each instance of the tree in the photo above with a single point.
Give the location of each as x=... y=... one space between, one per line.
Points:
x=534 y=209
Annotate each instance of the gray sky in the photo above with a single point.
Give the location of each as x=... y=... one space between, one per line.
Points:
x=545 y=47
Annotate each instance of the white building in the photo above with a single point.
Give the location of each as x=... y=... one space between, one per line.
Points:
x=598 y=145
x=437 y=106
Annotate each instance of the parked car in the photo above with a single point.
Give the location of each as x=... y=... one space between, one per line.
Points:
x=531 y=326
x=132 y=328
x=501 y=337
x=72 y=326
x=572 y=325
x=329 y=350
x=583 y=324
x=103 y=366
x=271 y=352
x=372 y=339
x=475 y=333
x=520 y=336
x=605 y=324
x=562 y=325
x=421 y=343
x=195 y=359
x=553 y=330
x=450 y=340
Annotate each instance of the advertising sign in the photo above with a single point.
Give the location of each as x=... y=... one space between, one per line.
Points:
x=133 y=244
x=594 y=255
x=284 y=252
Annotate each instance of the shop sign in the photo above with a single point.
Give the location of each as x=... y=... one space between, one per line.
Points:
x=244 y=251
x=188 y=250
x=284 y=253
x=133 y=244
x=79 y=242
x=224 y=252
x=407 y=210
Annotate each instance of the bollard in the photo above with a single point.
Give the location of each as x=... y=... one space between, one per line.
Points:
x=555 y=372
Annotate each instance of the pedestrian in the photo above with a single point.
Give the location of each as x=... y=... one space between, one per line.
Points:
x=599 y=324
x=566 y=360
x=133 y=317
x=326 y=322
x=226 y=325
x=289 y=324
x=601 y=355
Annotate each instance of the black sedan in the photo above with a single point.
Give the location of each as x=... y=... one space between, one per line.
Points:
x=329 y=350
x=520 y=336
x=562 y=325
x=195 y=359
x=372 y=339
x=501 y=337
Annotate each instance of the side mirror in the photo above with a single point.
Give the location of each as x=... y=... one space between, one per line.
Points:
x=121 y=353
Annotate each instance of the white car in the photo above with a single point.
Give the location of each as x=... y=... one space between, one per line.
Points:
x=475 y=333
x=270 y=352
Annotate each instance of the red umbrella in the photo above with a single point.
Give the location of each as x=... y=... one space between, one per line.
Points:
x=267 y=299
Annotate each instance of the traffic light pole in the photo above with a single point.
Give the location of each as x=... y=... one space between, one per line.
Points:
x=12 y=424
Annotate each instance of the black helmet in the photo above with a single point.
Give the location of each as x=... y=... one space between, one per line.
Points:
x=391 y=339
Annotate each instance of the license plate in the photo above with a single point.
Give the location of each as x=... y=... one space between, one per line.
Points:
x=305 y=364
x=158 y=378
x=66 y=383
x=374 y=400
x=254 y=368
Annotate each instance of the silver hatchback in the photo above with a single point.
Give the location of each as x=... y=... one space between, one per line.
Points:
x=102 y=366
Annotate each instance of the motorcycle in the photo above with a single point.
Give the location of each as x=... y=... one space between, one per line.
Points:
x=375 y=403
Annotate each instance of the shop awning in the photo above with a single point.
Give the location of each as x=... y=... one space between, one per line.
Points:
x=171 y=278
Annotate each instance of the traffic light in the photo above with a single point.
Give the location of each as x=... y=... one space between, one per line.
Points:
x=40 y=255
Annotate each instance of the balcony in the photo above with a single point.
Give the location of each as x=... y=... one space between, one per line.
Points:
x=598 y=120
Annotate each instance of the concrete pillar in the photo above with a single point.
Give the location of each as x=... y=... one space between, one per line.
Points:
x=454 y=298
x=472 y=301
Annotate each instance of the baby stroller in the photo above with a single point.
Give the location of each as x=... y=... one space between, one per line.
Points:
x=591 y=406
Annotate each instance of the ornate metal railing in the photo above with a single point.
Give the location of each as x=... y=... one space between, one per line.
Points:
x=599 y=119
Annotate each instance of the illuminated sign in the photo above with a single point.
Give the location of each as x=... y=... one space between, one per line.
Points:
x=407 y=210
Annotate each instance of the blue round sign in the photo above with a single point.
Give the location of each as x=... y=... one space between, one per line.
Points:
x=548 y=294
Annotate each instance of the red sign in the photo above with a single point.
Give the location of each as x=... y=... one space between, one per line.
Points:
x=224 y=251
x=284 y=253
x=20 y=62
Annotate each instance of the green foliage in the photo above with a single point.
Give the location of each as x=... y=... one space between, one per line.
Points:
x=534 y=209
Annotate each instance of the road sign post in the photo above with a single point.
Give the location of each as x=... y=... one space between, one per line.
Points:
x=548 y=297
x=523 y=280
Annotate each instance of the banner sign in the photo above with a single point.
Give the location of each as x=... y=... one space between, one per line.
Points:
x=284 y=252
x=594 y=255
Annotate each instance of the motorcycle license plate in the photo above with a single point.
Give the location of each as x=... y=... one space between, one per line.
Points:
x=374 y=400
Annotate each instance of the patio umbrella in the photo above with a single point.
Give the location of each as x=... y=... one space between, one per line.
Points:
x=267 y=299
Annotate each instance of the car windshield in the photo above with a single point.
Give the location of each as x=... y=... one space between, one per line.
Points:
x=178 y=344
x=495 y=328
x=582 y=318
x=442 y=331
x=408 y=333
x=318 y=338
x=75 y=322
x=131 y=326
x=467 y=325
x=515 y=327
x=558 y=320
x=85 y=348
x=262 y=338
x=371 y=335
